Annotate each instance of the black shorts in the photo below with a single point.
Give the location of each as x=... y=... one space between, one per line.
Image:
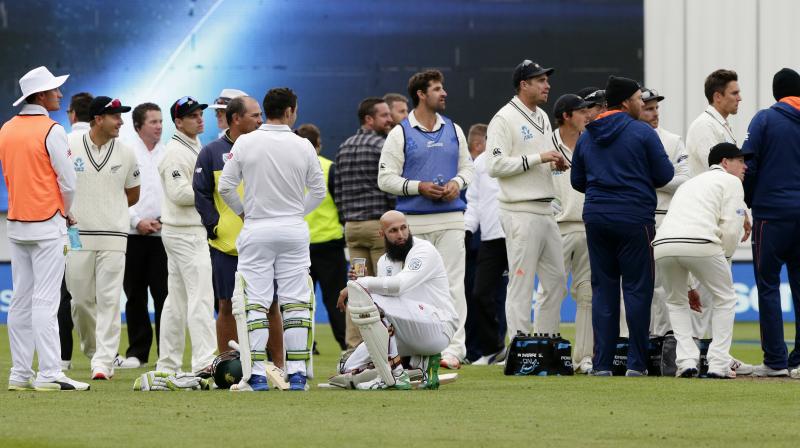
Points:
x=223 y=270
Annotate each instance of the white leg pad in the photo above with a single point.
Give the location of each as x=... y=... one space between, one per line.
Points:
x=239 y=309
x=366 y=317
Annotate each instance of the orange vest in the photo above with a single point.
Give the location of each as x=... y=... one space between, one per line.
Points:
x=33 y=193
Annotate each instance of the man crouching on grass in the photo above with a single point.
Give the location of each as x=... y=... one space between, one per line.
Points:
x=699 y=234
x=405 y=311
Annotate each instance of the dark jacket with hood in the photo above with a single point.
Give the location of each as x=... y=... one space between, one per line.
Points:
x=772 y=180
x=619 y=162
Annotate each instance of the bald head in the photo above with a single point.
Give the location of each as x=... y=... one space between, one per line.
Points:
x=392 y=218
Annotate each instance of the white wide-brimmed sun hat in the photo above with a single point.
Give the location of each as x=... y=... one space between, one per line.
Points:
x=38 y=80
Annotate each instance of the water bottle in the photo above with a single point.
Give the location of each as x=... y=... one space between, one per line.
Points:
x=74 y=238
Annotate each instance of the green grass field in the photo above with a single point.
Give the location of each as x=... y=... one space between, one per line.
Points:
x=483 y=408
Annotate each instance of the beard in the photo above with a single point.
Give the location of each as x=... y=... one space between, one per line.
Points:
x=398 y=252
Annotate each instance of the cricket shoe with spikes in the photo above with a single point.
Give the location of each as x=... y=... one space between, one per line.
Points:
x=256 y=383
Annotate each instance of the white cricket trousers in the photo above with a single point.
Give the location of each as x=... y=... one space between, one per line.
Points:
x=94 y=279
x=715 y=273
x=37 y=268
x=450 y=245
x=277 y=251
x=418 y=330
x=576 y=261
x=659 y=315
x=190 y=301
x=534 y=247
x=702 y=322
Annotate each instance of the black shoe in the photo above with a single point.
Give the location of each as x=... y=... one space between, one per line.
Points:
x=691 y=372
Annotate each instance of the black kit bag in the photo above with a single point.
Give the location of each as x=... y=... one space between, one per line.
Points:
x=620 y=364
x=562 y=355
x=538 y=355
x=654 y=351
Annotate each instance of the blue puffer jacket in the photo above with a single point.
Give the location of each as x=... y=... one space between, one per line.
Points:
x=619 y=162
x=772 y=180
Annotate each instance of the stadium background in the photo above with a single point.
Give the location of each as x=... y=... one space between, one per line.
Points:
x=335 y=53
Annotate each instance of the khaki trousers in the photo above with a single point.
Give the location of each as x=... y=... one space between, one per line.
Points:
x=363 y=241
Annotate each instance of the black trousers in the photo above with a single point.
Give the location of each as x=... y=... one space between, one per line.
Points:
x=329 y=269
x=471 y=244
x=65 y=322
x=487 y=304
x=145 y=268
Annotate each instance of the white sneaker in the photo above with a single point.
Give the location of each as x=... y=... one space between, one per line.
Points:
x=492 y=359
x=767 y=371
x=20 y=385
x=128 y=363
x=63 y=383
x=741 y=368
x=102 y=373
x=66 y=365
x=795 y=373
x=584 y=366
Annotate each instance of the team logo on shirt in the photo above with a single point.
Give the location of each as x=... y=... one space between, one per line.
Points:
x=227 y=156
x=497 y=152
x=411 y=144
x=741 y=212
x=115 y=168
x=434 y=144
x=526 y=133
x=136 y=173
x=79 y=165
x=414 y=264
x=176 y=174
x=389 y=271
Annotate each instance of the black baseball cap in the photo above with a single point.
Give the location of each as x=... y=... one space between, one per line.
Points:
x=651 y=95
x=102 y=105
x=184 y=107
x=569 y=103
x=528 y=69
x=725 y=151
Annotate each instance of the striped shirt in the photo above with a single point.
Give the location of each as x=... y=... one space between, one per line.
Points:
x=356 y=191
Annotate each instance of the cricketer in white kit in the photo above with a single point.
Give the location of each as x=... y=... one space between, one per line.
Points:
x=283 y=182
x=404 y=311
x=107 y=184
x=519 y=140
x=699 y=235
x=190 y=301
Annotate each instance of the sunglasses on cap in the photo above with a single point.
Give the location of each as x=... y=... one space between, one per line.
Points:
x=185 y=100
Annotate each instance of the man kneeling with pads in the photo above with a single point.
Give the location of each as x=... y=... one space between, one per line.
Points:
x=699 y=234
x=404 y=311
